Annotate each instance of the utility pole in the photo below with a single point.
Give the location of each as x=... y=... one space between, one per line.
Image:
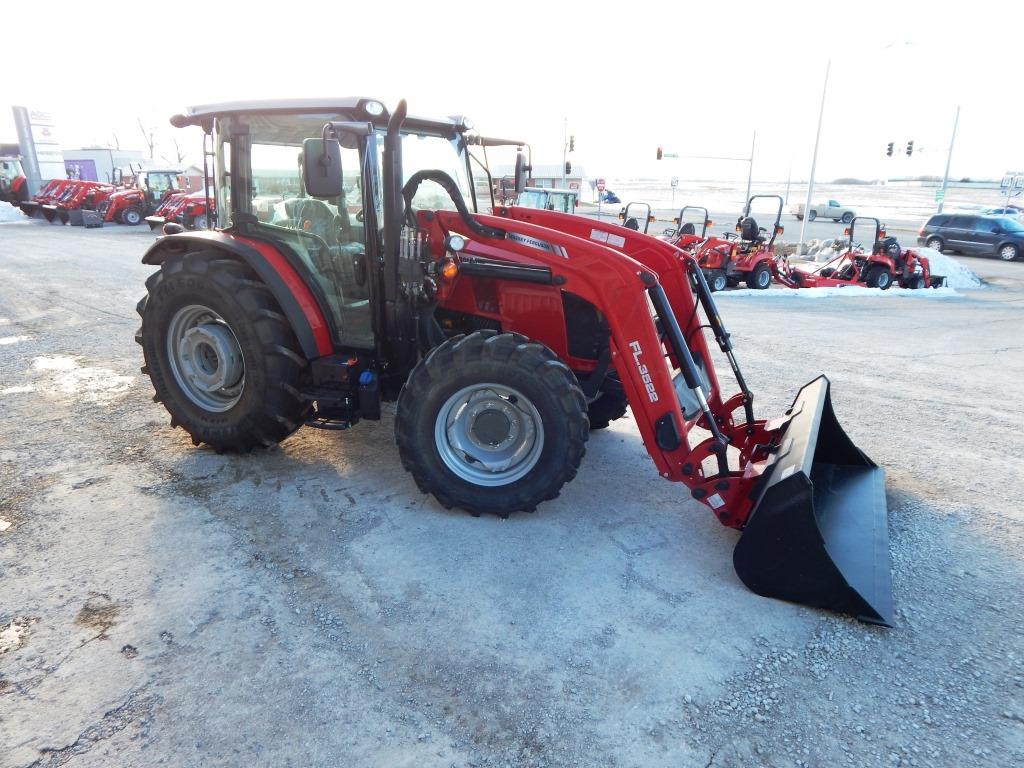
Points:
x=949 y=159
x=814 y=158
x=750 y=169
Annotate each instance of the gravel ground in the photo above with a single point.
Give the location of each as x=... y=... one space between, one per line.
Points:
x=307 y=606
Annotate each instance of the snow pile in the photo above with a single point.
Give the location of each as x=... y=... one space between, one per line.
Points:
x=848 y=290
x=9 y=213
x=956 y=274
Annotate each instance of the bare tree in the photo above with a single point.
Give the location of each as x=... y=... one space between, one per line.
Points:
x=117 y=141
x=148 y=136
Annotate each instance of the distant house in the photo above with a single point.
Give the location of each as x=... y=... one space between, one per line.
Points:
x=546 y=176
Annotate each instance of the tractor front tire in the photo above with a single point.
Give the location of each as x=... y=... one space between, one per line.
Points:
x=717 y=280
x=220 y=354
x=760 y=277
x=878 y=277
x=131 y=216
x=491 y=423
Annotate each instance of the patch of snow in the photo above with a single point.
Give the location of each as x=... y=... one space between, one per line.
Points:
x=4 y=525
x=12 y=339
x=848 y=290
x=9 y=213
x=956 y=274
x=17 y=390
x=95 y=384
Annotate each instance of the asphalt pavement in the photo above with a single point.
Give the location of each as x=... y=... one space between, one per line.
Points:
x=307 y=606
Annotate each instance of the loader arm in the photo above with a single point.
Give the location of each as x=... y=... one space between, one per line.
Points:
x=690 y=442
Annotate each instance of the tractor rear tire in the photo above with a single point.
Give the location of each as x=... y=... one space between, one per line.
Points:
x=222 y=298
x=610 y=404
x=131 y=216
x=760 y=277
x=491 y=398
x=878 y=277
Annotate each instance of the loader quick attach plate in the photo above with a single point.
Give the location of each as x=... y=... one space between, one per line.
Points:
x=819 y=532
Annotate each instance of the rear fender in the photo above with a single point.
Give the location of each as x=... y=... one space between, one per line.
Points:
x=294 y=297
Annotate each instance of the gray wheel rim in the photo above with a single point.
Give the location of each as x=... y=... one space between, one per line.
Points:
x=489 y=435
x=1008 y=253
x=131 y=217
x=935 y=245
x=205 y=358
x=882 y=280
x=199 y=222
x=720 y=283
x=763 y=278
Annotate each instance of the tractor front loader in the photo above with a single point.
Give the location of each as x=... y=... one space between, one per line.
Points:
x=504 y=339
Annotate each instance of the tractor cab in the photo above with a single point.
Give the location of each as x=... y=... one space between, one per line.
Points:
x=564 y=200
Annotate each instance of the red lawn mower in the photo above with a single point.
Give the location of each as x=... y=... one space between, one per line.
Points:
x=884 y=264
x=746 y=255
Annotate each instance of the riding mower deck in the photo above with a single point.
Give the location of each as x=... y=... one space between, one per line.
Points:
x=504 y=339
x=746 y=256
x=880 y=267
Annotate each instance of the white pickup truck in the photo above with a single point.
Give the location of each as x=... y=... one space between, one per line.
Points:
x=830 y=210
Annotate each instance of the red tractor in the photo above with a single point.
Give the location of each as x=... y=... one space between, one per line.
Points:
x=748 y=255
x=631 y=219
x=143 y=192
x=504 y=338
x=189 y=209
x=884 y=264
x=77 y=196
x=684 y=235
x=48 y=195
x=13 y=184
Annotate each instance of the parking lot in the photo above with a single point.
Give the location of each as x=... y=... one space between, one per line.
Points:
x=307 y=606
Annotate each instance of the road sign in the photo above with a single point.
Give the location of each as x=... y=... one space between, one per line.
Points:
x=939 y=195
x=674 y=182
x=600 y=185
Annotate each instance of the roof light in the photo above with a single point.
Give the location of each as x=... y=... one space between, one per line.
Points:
x=374 y=108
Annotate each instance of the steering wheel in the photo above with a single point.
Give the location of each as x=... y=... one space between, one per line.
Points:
x=731 y=235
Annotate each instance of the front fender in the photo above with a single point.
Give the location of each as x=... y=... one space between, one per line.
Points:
x=294 y=297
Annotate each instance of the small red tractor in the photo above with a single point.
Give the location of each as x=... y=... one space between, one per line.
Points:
x=684 y=235
x=143 y=191
x=632 y=219
x=504 y=338
x=189 y=209
x=880 y=267
x=77 y=196
x=748 y=255
x=13 y=184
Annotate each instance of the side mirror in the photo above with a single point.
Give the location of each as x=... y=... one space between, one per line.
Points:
x=321 y=169
x=521 y=170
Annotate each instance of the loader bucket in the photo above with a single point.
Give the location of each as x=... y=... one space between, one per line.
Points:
x=818 y=534
x=49 y=212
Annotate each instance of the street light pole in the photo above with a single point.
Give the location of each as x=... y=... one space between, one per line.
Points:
x=750 y=169
x=949 y=159
x=814 y=159
x=565 y=145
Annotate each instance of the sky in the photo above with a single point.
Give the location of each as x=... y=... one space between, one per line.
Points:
x=695 y=79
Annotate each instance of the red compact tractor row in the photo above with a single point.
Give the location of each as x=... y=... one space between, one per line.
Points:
x=881 y=266
x=13 y=184
x=141 y=193
x=503 y=338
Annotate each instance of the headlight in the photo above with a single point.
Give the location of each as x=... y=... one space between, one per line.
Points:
x=374 y=108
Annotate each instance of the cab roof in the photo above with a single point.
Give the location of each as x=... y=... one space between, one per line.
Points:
x=351 y=107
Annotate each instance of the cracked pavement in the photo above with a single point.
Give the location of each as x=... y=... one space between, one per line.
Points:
x=307 y=606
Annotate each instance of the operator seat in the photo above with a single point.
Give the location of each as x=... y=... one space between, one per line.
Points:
x=688 y=229
x=749 y=229
x=890 y=246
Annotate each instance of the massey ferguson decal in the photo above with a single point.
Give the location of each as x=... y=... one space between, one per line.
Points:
x=645 y=374
x=540 y=245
